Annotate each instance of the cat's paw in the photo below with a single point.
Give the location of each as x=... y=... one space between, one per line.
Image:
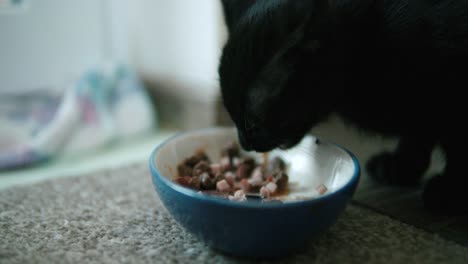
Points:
x=442 y=195
x=388 y=168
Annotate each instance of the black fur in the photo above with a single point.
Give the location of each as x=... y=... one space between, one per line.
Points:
x=397 y=68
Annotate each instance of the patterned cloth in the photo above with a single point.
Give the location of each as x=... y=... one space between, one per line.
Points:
x=107 y=104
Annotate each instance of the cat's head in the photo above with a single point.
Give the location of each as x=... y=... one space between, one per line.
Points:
x=271 y=71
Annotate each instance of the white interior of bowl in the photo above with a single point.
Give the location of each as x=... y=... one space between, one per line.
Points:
x=310 y=164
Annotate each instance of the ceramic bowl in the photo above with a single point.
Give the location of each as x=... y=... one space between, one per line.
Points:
x=252 y=228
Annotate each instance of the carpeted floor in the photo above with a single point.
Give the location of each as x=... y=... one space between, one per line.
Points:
x=116 y=217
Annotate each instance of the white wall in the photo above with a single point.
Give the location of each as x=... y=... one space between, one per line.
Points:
x=51 y=41
x=178 y=40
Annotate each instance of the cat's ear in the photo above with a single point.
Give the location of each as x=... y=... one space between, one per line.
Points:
x=233 y=11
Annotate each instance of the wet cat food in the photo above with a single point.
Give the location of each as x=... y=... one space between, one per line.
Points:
x=322 y=189
x=234 y=176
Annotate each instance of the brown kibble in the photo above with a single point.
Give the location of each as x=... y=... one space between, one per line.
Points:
x=190 y=182
x=281 y=179
x=225 y=164
x=234 y=176
x=206 y=181
x=243 y=171
x=245 y=168
x=195 y=183
x=321 y=189
x=244 y=185
x=184 y=180
x=265 y=192
x=270 y=178
x=215 y=168
x=186 y=167
x=230 y=178
x=200 y=168
x=239 y=196
x=271 y=186
x=219 y=177
x=199 y=156
x=257 y=177
x=223 y=186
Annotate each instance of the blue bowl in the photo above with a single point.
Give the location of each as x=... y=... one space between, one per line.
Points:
x=253 y=228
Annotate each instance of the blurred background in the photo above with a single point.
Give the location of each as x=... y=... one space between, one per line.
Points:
x=91 y=84
x=96 y=84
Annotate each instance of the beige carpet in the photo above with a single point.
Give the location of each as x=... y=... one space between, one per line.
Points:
x=116 y=217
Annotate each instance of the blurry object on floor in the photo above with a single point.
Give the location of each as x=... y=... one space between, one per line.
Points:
x=107 y=104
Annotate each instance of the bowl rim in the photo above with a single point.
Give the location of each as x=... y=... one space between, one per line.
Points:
x=155 y=173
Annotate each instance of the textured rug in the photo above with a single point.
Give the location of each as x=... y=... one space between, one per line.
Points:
x=116 y=217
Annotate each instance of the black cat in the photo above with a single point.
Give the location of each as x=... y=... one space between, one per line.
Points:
x=397 y=68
